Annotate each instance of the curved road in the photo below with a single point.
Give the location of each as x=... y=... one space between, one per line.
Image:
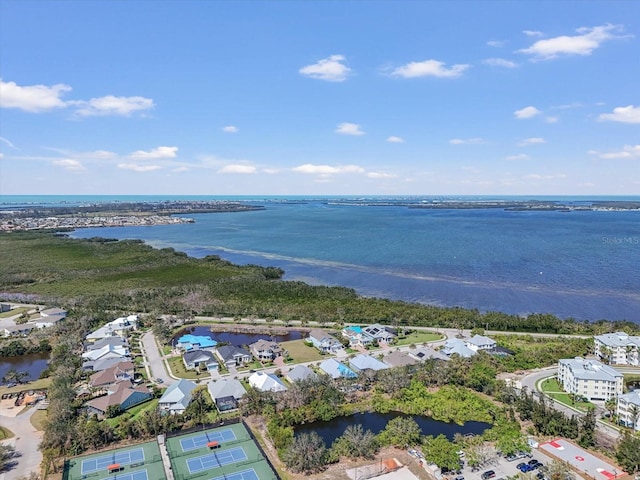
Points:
x=26 y=442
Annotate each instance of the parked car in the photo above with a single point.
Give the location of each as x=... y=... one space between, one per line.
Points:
x=488 y=474
x=533 y=461
x=520 y=465
x=159 y=380
x=526 y=468
x=459 y=477
x=511 y=458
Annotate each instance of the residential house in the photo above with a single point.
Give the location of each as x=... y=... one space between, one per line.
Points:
x=335 y=369
x=324 y=342
x=266 y=351
x=366 y=362
x=356 y=337
x=107 y=351
x=49 y=317
x=618 y=348
x=399 y=359
x=226 y=393
x=299 y=373
x=196 y=342
x=123 y=394
x=119 y=327
x=233 y=356
x=480 y=342
x=103 y=363
x=111 y=341
x=590 y=379
x=426 y=353
x=628 y=409
x=198 y=359
x=380 y=333
x=112 y=375
x=176 y=398
x=18 y=330
x=455 y=346
x=266 y=382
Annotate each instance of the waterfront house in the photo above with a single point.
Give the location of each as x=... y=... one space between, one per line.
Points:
x=119 y=326
x=18 y=330
x=399 y=359
x=107 y=351
x=335 y=369
x=266 y=351
x=49 y=317
x=196 y=342
x=226 y=393
x=176 y=398
x=590 y=379
x=123 y=394
x=197 y=359
x=618 y=348
x=299 y=373
x=628 y=409
x=111 y=341
x=366 y=362
x=266 y=382
x=455 y=346
x=112 y=375
x=480 y=342
x=324 y=342
x=103 y=363
x=233 y=356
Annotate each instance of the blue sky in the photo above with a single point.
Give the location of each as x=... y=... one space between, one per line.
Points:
x=323 y=97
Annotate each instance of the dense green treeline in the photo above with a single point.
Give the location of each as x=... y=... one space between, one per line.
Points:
x=107 y=275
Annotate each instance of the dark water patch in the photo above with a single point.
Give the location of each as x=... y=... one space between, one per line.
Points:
x=239 y=338
x=33 y=364
x=376 y=422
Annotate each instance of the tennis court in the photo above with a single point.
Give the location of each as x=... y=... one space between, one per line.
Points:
x=244 y=475
x=215 y=460
x=199 y=441
x=120 y=458
x=139 y=475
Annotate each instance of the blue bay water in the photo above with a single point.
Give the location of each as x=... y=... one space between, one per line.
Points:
x=580 y=264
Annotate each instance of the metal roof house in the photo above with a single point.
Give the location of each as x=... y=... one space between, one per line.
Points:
x=233 y=356
x=226 y=393
x=458 y=347
x=335 y=369
x=363 y=362
x=324 y=342
x=299 y=373
x=176 y=398
x=266 y=382
x=195 y=359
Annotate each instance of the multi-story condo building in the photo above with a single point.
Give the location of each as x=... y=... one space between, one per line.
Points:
x=628 y=409
x=589 y=378
x=618 y=348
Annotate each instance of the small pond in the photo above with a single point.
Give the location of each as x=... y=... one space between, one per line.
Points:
x=376 y=422
x=239 y=338
x=33 y=364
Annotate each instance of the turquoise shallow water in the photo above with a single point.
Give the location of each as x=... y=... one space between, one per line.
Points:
x=581 y=264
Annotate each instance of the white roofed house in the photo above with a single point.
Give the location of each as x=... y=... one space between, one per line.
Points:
x=49 y=317
x=266 y=351
x=266 y=382
x=176 y=398
x=299 y=373
x=362 y=362
x=107 y=351
x=480 y=342
x=324 y=342
x=455 y=346
x=618 y=348
x=119 y=327
x=590 y=379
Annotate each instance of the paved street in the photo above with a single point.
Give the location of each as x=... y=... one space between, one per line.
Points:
x=154 y=359
x=25 y=441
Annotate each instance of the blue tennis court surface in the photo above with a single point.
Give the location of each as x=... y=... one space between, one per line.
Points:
x=123 y=458
x=215 y=460
x=199 y=441
x=139 y=475
x=244 y=475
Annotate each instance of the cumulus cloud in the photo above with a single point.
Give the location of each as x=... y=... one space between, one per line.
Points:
x=495 y=43
x=533 y=33
x=429 y=68
x=628 y=152
x=69 y=164
x=230 y=129
x=32 y=98
x=587 y=40
x=531 y=141
x=466 y=141
x=628 y=114
x=154 y=153
x=238 y=168
x=377 y=175
x=347 y=128
x=330 y=69
x=519 y=156
x=309 y=168
x=394 y=139
x=139 y=168
x=527 y=112
x=112 y=105
x=499 y=62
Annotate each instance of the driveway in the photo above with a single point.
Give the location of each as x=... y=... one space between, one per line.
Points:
x=26 y=442
x=154 y=359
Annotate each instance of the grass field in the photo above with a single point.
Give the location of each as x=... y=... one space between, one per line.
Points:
x=5 y=433
x=300 y=352
x=177 y=368
x=15 y=311
x=38 y=419
x=552 y=388
x=419 y=337
x=35 y=385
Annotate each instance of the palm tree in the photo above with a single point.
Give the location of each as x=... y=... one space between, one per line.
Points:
x=14 y=376
x=559 y=470
x=634 y=413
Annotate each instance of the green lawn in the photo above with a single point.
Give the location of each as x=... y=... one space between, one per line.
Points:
x=15 y=311
x=300 y=352
x=419 y=337
x=177 y=367
x=133 y=412
x=5 y=433
x=35 y=385
x=38 y=419
x=552 y=388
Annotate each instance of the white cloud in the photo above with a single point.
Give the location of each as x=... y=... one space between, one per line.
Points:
x=628 y=152
x=69 y=164
x=309 y=168
x=271 y=171
x=154 y=154
x=32 y=98
x=347 y=128
x=531 y=141
x=394 y=139
x=95 y=155
x=519 y=156
x=533 y=33
x=8 y=143
x=551 y=119
x=180 y=169
x=377 y=175
x=139 y=168
x=527 y=112
x=537 y=176
x=429 y=68
x=587 y=40
x=500 y=62
x=628 y=114
x=330 y=69
x=466 y=141
x=496 y=43
x=230 y=129
x=238 y=168
x=112 y=105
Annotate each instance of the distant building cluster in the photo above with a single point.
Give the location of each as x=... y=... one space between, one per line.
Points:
x=38 y=319
x=37 y=223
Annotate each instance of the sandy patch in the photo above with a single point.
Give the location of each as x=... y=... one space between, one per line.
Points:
x=8 y=408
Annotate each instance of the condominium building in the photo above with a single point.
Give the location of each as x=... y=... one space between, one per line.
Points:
x=629 y=409
x=618 y=348
x=589 y=378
